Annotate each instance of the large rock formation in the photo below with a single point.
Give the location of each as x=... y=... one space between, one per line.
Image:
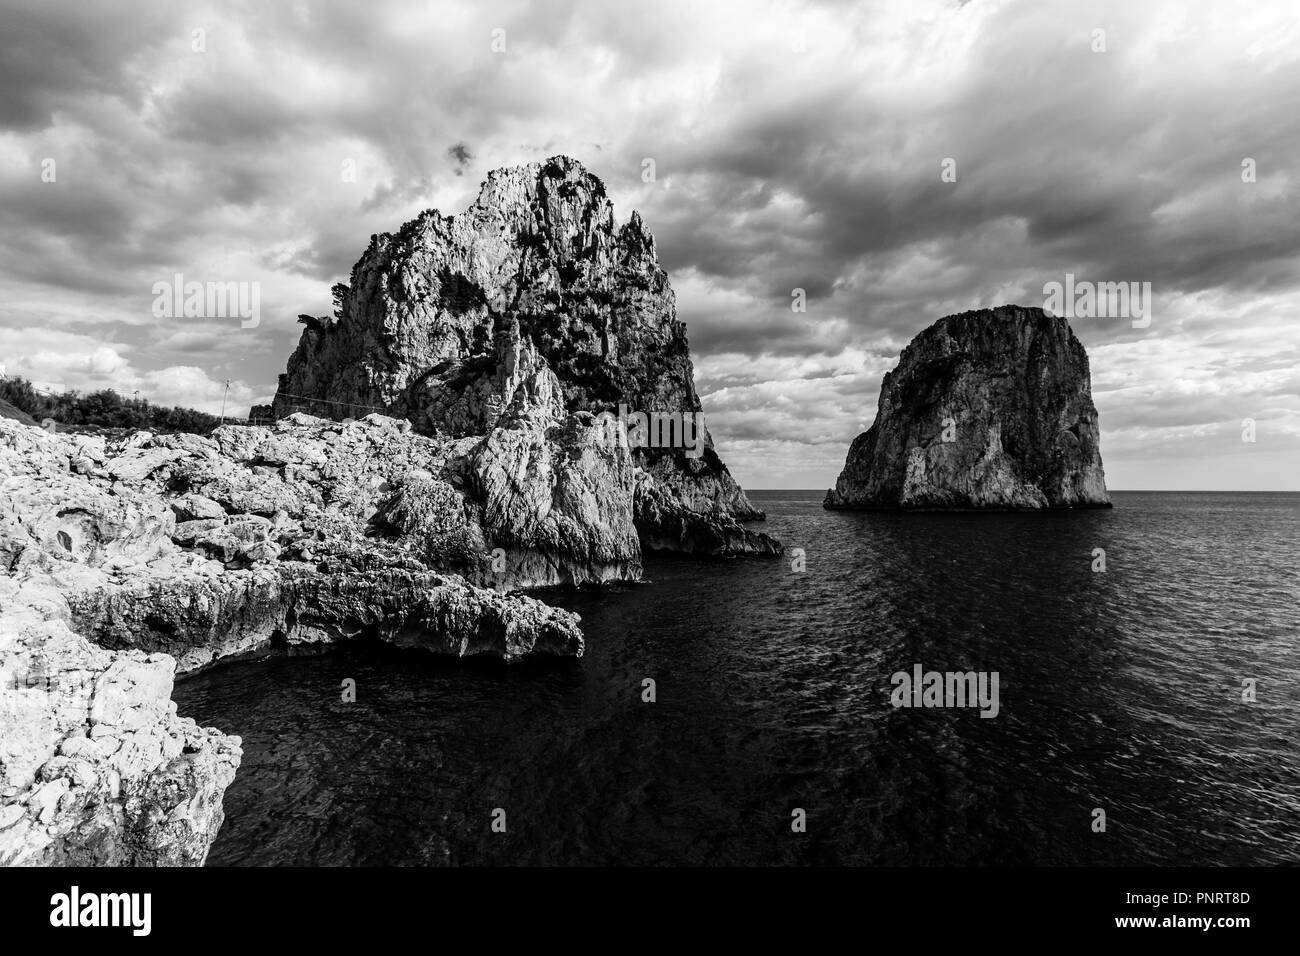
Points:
x=987 y=409
x=535 y=298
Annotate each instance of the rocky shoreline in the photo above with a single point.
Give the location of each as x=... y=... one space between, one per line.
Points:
x=126 y=562
x=502 y=340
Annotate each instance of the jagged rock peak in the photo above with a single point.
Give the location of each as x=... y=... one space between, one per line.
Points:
x=529 y=306
x=556 y=205
x=539 y=246
x=986 y=409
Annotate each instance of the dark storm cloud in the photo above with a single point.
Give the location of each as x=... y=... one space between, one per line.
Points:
x=1088 y=160
x=52 y=56
x=461 y=156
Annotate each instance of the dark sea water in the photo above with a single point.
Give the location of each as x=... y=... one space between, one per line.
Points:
x=1119 y=690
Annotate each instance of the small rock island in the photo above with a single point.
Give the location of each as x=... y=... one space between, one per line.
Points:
x=986 y=410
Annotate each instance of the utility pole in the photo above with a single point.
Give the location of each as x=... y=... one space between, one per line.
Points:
x=223 y=402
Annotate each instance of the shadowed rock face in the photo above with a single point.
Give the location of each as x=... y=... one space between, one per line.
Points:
x=532 y=299
x=989 y=409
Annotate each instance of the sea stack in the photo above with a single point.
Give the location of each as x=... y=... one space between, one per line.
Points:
x=990 y=410
x=532 y=309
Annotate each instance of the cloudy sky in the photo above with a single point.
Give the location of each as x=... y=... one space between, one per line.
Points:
x=796 y=146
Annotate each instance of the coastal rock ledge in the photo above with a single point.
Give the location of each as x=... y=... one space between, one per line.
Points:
x=988 y=410
x=125 y=561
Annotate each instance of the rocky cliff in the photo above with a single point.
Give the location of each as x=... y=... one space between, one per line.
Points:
x=989 y=409
x=123 y=562
x=533 y=297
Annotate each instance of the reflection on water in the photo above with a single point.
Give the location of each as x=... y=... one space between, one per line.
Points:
x=1118 y=690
